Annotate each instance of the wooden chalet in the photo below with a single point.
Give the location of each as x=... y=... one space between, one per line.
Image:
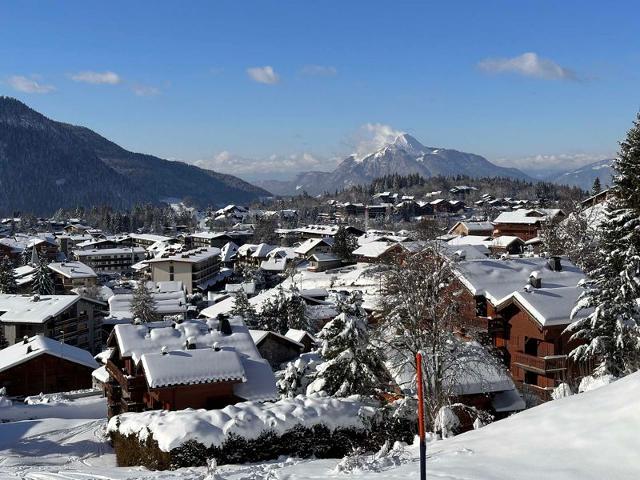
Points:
x=194 y=364
x=523 y=306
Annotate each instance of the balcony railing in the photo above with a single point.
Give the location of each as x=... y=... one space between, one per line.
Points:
x=544 y=365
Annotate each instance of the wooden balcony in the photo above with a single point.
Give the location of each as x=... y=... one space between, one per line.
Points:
x=541 y=365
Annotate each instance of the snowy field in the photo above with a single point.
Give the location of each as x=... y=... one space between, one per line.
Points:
x=588 y=436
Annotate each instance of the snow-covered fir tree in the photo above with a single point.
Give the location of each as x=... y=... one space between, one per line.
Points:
x=143 y=305
x=7 y=277
x=243 y=308
x=353 y=364
x=42 y=281
x=597 y=187
x=610 y=334
x=344 y=244
x=283 y=311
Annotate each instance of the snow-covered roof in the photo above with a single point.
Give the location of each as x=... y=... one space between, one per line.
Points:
x=149 y=237
x=470 y=240
x=73 y=269
x=137 y=340
x=259 y=335
x=189 y=256
x=324 y=257
x=228 y=252
x=39 y=345
x=26 y=309
x=298 y=335
x=165 y=303
x=262 y=250
x=501 y=281
x=308 y=245
x=184 y=367
x=504 y=241
x=374 y=249
x=527 y=216
x=474 y=226
x=138 y=251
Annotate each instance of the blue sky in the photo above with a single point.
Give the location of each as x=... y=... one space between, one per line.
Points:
x=263 y=89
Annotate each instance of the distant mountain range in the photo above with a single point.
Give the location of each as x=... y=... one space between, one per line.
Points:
x=405 y=155
x=46 y=165
x=584 y=176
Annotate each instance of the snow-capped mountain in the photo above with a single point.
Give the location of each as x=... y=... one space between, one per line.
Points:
x=584 y=177
x=405 y=155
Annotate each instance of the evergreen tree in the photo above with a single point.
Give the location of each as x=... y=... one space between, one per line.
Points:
x=42 y=281
x=7 y=277
x=284 y=311
x=597 y=188
x=610 y=334
x=344 y=244
x=243 y=308
x=143 y=305
x=353 y=365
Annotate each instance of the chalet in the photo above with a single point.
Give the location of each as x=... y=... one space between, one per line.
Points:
x=303 y=337
x=196 y=269
x=378 y=211
x=506 y=244
x=472 y=228
x=208 y=239
x=377 y=251
x=39 y=364
x=145 y=240
x=228 y=254
x=599 y=197
x=279 y=259
x=110 y=260
x=349 y=209
x=319 y=262
x=194 y=364
x=70 y=318
x=275 y=348
x=524 y=305
x=70 y=275
x=524 y=223
x=322 y=231
x=314 y=245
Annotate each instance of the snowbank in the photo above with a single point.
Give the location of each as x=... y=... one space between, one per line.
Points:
x=247 y=420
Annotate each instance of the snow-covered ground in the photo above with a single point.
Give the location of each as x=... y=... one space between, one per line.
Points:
x=588 y=436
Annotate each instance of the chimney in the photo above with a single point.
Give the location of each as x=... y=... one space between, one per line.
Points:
x=535 y=279
x=555 y=264
x=216 y=347
x=191 y=343
x=224 y=326
x=164 y=350
x=25 y=340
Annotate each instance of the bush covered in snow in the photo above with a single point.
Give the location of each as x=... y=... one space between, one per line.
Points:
x=459 y=418
x=249 y=432
x=592 y=382
x=4 y=401
x=387 y=457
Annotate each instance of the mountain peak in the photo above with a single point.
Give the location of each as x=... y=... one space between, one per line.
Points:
x=14 y=112
x=409 y=144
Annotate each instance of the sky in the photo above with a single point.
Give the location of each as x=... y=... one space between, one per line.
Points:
x=265 y=89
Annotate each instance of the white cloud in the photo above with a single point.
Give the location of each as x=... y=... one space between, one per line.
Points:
x=319 y=71
x=97 y=78
x=264 y=74
x=145 y=90
x=371 y=137
x=29 y=85
x=549 y=163
x=529 y=65
x=272 y=166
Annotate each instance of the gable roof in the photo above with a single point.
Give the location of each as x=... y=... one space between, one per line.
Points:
x=40 y=345
x=25 y=309
x=503 y=281
x=185 y=367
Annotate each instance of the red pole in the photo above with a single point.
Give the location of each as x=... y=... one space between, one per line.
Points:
x=423 y=445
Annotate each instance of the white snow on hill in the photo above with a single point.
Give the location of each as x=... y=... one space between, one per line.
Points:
x=588 y=436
